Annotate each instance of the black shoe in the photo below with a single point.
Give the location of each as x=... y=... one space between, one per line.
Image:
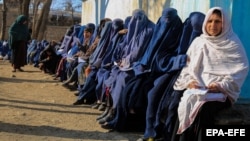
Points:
x=103 y=114
x=65 y=84
x=78 y=102
x=76 y=94
x=72 y=87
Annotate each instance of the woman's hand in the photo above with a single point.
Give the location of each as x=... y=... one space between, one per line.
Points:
x=188 y=59
x=194 y=85
x=213 y=88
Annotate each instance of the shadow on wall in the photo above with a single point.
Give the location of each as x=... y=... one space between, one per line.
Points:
x=102 y=5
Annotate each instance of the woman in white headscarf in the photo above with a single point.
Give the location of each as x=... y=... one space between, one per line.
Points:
x=212 y=79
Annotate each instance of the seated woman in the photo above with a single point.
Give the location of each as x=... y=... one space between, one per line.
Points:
x=77 y=74
x=212 y=79
x=47 y=59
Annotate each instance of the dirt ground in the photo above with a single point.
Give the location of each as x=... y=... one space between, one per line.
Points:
x=34 y=107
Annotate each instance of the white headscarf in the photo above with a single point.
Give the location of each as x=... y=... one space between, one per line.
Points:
x=213 y=59
x=220 y=59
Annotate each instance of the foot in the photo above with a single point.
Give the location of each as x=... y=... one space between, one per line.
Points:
x=107 y=118
x=102 y=107
x=76 y=94
x=103 y=114
x=65 y=84
x=55 y=78
x=106 y=125
x=95 y=106
x=19 y=69
x=14 y=70
x=78 y=102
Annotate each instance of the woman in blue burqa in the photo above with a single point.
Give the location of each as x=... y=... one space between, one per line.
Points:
x=165 y=40
x=113 y=54
x=109 y=31
x=104 y=59
x=161 y=108
x=140 y=31
x=86 y=94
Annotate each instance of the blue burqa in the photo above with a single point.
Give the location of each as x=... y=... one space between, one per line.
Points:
x=164 y=40
x=160 y=113
x=140 y=31
x=109 y=31
x=105 y=65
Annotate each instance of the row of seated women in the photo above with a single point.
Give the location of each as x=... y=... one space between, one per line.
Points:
x=170 y=78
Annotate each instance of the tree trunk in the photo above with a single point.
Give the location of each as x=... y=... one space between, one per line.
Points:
x=3 y=22
x=20 y=8
x=42 y=20
x=72 y=16
x=35 y=18
x=24 y=7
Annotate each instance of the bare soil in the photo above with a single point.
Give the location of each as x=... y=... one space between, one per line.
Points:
x=34 y=107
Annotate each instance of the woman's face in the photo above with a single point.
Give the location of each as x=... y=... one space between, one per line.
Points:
x=214 y=25
x=87 y=34
x=25 y=22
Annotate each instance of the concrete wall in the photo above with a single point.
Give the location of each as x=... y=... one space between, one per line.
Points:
x=55 y=32
x=94 y=10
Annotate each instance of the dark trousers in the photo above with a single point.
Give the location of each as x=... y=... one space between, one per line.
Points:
x=204 y=119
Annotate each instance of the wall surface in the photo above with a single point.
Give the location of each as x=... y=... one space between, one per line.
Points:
x=94 y=10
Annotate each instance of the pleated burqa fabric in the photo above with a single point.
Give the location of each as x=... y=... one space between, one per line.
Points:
x=165 y=36
x=116 y=25
x=162 y=101
x=103 y=43
x=158 y=57
x=108 y=38
x=157 y=60
x=117 y=54
x=140 y=31
x=102 y=38
x=106 y=64
x=164 y=41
